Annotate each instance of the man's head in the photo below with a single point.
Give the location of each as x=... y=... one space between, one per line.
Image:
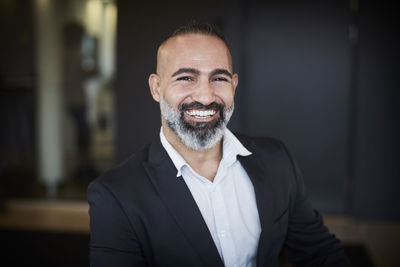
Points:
x=195 y=85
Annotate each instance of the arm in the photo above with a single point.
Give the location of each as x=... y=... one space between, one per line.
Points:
x=112 y=239
x=308 y=241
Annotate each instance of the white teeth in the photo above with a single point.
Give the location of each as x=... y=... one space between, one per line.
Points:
x=201 y=113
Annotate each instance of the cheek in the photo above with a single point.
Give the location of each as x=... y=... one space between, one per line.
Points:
x=177 y=95
x=226 y=94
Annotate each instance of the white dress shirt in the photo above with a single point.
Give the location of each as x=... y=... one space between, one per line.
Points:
x=227 y=204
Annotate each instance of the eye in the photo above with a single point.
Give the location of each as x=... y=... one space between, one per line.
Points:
x=220 y=79
x=185 y=78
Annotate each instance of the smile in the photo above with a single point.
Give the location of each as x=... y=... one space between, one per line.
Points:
x=201 y=113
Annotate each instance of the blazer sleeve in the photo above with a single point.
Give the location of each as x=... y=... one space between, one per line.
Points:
x=308 y=241
x=112 y=239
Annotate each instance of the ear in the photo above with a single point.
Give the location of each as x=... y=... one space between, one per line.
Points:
x=235 y=81
x=154 y=84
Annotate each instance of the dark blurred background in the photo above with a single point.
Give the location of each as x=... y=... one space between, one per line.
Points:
x=320 y=75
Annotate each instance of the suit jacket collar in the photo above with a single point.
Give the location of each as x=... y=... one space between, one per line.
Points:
x=258 y=173
x=178 y=199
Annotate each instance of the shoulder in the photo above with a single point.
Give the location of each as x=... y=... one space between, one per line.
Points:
x=128 y=174
x=270 y=152
x=262 y=144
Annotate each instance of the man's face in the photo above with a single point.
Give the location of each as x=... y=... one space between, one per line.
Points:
x=195 y=87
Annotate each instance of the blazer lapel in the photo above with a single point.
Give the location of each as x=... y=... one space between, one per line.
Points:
x=179 y=201
x=264 y=198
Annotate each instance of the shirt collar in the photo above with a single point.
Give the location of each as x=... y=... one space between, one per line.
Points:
x=176 y=158
x=231 y=147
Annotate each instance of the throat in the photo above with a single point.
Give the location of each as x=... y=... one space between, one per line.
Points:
x=206 y=163
x=208 y=171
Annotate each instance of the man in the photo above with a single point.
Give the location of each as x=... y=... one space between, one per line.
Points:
x=199 y=195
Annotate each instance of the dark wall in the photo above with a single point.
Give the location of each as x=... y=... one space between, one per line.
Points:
x=301 y=80
x=377 y=166
x=297 y=86
x=17 y=99
x=17 y=45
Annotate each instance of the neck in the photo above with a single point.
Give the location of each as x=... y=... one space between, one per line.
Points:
x=204 y=162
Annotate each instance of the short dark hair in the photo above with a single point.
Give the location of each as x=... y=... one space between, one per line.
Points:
x=195 y=27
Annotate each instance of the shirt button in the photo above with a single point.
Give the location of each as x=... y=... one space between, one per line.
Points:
x=222 y=233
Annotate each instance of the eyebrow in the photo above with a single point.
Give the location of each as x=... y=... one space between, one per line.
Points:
x=185 y=70
x=221 y=71
x=197 y=72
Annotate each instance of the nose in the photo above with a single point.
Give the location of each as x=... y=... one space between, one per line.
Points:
x=204 y=93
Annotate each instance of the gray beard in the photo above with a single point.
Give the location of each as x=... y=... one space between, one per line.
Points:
x=196 y=138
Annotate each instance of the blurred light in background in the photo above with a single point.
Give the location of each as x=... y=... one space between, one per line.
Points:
x=62 y=86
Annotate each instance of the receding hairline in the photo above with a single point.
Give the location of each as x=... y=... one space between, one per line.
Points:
x=166 y=41
x=163 y=43
x=196 y=27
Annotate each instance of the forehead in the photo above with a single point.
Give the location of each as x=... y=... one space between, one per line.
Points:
x=204 y=52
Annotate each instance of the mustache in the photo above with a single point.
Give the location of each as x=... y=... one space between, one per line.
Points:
x=198 y=105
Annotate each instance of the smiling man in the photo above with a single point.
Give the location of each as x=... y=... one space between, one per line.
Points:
x=199 y=195
x=195 y=87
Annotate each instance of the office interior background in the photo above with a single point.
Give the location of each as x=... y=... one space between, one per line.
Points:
x=320 y=75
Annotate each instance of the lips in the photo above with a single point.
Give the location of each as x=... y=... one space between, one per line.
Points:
x=201 y=115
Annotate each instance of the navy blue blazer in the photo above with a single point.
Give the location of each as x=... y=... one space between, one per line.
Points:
x=141 y=214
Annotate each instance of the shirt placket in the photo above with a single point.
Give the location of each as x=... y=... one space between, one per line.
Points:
x=222 y=225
